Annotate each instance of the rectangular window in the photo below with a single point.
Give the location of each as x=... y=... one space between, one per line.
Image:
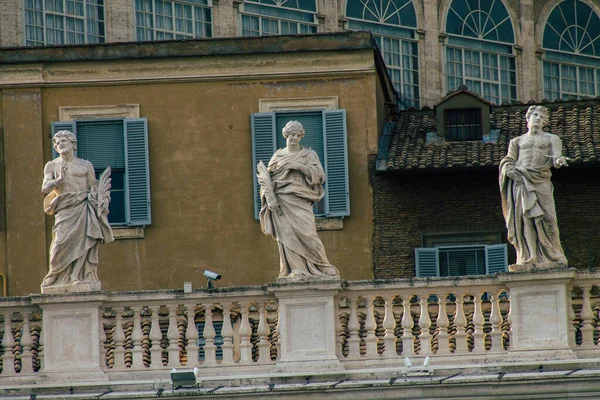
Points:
x=461 y=260
x=259 y=19
x=172 y=19
x=218 y=327
x=325 y=133
x=59 y=22
x=491 y=75
x=564 y=81
x=463 y=124
x=121 y=144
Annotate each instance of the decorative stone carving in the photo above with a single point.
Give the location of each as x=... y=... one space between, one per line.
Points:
x=527 y=194
x=290 y=185
x=79 y=204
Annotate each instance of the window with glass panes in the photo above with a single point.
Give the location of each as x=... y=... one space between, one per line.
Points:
x=393 y=24
x=277 y=17
x=55 y=22
x=463 y=124
x=571 y=40
x=479 y=49
x=164 y=20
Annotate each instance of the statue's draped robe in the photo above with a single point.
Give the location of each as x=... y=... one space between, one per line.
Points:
x=301 y=251
x=531 y=201
x=76 y=236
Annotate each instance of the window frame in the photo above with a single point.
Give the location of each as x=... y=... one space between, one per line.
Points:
x=86 y=19
x=176 y=34
x=427 y=258
x=252 y=9
x=463 y=124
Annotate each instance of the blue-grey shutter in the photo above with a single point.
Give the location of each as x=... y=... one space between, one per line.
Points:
x=427 y=262
x=263 y=147
x=496 y=258
x=137 y=176
x=337 y=203
x=62 y=126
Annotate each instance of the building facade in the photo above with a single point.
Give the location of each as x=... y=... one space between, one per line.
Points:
x=506 y=51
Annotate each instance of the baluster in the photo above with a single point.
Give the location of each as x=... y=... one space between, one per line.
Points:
x=571 y=328
x=370 y=327
x=137 y=353
x=339 y=330
x=442 y=323
x=102 y=335
x=119 y=338
x=389 y=323
x=496 y=322
x=191 y=334
x=478 y=321
x=26 y=344
x=353 y=329
x=587 y=328
x=155 y=337
x=425 y=324
x=227 y=334
x=245 y=335
x=41 y=347
x=208 y=333
x=263 y=332
x=460 y=321
x=173 y=337
x=408 y=340
x=8 y=342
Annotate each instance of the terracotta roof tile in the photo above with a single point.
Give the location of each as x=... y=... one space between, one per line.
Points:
x=577 y=123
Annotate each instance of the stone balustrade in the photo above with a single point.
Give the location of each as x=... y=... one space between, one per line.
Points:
x=265 y=330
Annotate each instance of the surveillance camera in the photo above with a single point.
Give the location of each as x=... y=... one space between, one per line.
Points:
x=212 y=275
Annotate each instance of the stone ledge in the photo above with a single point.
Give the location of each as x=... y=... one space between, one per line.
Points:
x=128 y=232
x=330 y=224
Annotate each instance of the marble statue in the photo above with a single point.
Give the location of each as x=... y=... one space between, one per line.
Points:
x=290 y=186
x=527 y=194
x=79 y=204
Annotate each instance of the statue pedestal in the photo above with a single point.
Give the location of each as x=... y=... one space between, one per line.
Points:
x=307 y=326
x=539 y=314
x=71 y=338
x=82 y=287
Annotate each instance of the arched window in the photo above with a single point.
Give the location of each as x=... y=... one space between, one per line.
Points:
x=278 y=17
x=479 y=49
x=571 y=41
x=393 y=23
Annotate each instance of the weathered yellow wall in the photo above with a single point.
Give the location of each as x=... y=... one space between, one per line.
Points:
x=201 y=179
x=24 y=240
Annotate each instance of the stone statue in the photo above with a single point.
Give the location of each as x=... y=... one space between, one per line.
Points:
x=527 y=194
x=79 y=204
x=290 y=186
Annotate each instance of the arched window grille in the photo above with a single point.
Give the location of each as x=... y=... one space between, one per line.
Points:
x=479 y=49
x=571 y=40
x=278 y=17
x=393 y=24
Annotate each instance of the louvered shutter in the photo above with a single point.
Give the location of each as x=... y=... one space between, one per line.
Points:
x=426 y=260
x=496 y=258
x=137 y=177
x=336 y=164
x=263 y=146
x=62 y=126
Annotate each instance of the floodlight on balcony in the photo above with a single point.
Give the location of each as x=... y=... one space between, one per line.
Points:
x=183 y=378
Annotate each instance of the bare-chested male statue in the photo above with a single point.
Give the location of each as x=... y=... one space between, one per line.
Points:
x=527 y=194
x=80 y=207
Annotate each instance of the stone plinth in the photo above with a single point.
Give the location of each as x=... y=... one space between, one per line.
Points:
x=82 y=287
x=71 y=337
x=307 y=325
x=539 y=314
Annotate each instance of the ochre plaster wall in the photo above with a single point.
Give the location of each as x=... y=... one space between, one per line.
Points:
x=201 y=180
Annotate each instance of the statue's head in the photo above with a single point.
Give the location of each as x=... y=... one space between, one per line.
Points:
x=543 y=112
x=68 y=135
x=292 y=126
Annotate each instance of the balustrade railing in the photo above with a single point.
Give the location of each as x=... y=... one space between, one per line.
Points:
x=423 y=318
x=21 y=345
x=190 y=331
x=584 y=331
